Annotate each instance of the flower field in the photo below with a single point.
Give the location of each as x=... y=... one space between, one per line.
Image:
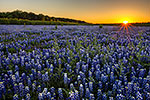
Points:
x=74 y=63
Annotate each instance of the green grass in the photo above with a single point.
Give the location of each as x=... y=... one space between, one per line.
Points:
x=14 y=21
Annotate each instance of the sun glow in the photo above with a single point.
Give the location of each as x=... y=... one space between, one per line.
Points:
x=125 y=22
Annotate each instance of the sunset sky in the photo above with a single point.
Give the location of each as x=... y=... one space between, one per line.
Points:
x=94 y=11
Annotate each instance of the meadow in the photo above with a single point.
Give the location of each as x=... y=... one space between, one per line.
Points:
x=49 y=62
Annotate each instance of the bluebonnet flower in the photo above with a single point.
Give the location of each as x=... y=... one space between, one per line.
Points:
x=71 y=87
x=147 y=87
x=92 y=97
x=82 y=74
x=48 y=95
x=135 y=88
x=39 y=75
x=76 y=83
x=148 y=78
x=132 y=98
x=90 y=73
x=27 y=66
x=54 y=95
x=97 y=67
x=92 y=69
x=21 y=89
x=29 y=82
x=88 y=60
x=125 y=60
x=43 y=78
x=104 y=97
x=119 y=97
x=65 y=78
x=10 y=72
x=127 y=92
x=40 y=96
x=2 y=89
x=16 y=88
x=15 y=97
x=104 y=78
x=84 y=68
x=31 y=76
x=148 y=96
x=77 y=67
x=51 y=68
x=71 y=95
x=34 y=72
x=22 y=61
x=144 y=82
x=76 y=95
x=139 y=96
x=97 y=74
x=39 y=67
x=87 y=93
x=78 y=78
x=47 y=55
x=109 y=93
x=86 y=85
x=68 y=60
x=81 y=90
x=28 y=96
x=130 y=85
x=91 y=86
x=59 y=61
x=140 y=80
x=45 y=93
x=47 y=64
x=108 y=70
x=60 y=93
x=46 y=76
x=69 y=80
x=33 y=87
x=114 y=88
x=27 y=90
x=119 y=55
x=133 y=70
x=17 y=77
x=111 y=98
x=39 y=89
x=133 y=78
x=52 y=90
x=16 y=68
x=100 y=85
x=112 y=78
x=141 y=73
x=55 y=62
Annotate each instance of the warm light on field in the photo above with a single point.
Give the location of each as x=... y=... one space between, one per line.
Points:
x=125 y=22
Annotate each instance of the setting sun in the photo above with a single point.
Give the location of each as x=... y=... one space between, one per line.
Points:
x=125 y=22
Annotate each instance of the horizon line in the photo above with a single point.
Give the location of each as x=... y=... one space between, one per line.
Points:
x=75 y=18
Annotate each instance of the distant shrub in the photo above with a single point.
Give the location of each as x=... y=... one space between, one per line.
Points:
x=56 y=27
x=100 y=26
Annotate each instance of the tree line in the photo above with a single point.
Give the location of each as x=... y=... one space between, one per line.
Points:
x=32 y=16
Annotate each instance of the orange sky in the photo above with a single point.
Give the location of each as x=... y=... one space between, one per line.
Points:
x=93 y=11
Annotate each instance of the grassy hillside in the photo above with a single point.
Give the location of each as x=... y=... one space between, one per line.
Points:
x=14 y=21
x=28 y=18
